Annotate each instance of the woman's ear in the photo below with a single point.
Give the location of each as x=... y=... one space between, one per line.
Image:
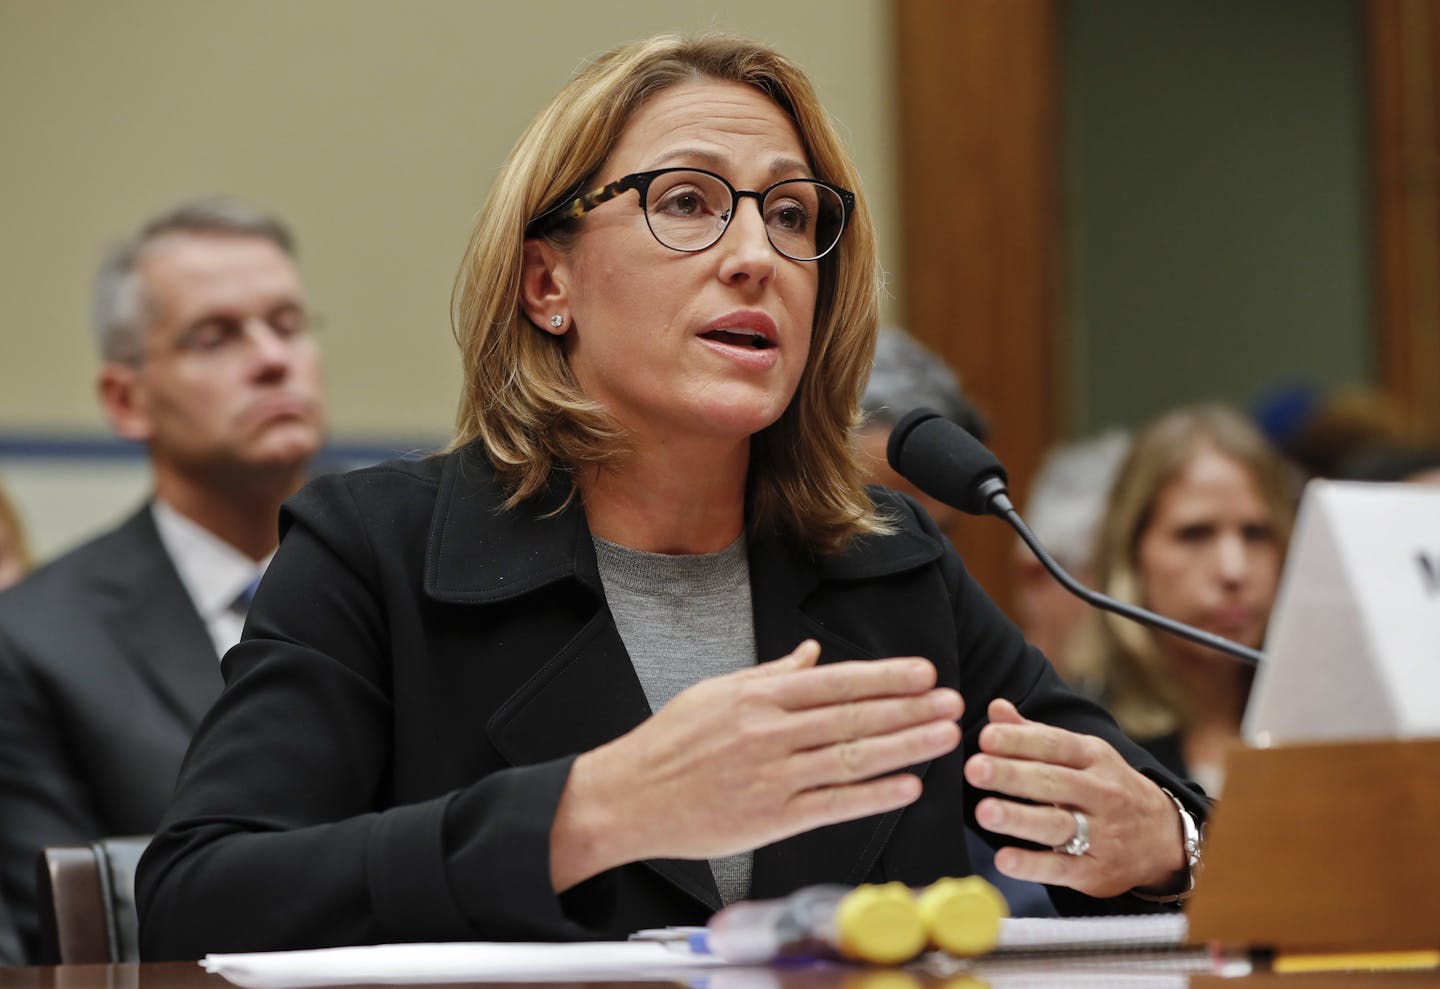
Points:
x=544 y=276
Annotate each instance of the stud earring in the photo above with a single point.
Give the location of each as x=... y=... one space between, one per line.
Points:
x=557 y=321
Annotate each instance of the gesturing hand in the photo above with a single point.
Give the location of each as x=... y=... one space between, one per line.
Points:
x=1134 y=834
x=746 y=759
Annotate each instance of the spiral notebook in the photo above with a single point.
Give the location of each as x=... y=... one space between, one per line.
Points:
x=1138 y=932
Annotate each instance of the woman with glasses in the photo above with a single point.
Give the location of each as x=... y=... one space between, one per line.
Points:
x=641 y=643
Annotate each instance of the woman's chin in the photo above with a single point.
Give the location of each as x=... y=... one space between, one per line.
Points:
x=739 y=419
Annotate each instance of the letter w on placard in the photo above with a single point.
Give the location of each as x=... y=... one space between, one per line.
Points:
x=1429 y=570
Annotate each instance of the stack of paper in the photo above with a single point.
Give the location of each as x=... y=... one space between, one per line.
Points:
x=660 y=962
x=456 y=962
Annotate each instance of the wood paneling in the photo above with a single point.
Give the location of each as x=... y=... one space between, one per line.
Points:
x=979 y=183
x=1404 y=39
x=1324 y=847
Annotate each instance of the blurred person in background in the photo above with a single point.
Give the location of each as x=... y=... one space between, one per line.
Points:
x=1321 y=432
x=14 y=553
x=1064 y=507
x=906 y=375
x=1408 y=464
x=1196 y=529
x=109 y=656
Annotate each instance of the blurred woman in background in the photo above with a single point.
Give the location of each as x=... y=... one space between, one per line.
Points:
x=14 y=554
x=1196 y=530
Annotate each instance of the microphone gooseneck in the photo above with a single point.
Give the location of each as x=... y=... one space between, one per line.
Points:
x=947 y=463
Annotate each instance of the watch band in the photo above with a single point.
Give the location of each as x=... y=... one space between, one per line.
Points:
x=1190 y=838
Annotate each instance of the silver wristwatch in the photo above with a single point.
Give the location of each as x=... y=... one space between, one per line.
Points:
x=1191 y=839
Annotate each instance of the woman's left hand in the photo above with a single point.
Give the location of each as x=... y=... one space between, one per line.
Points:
x=1135 y=837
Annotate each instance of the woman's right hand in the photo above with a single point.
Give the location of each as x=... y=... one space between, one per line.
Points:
x=747 y=759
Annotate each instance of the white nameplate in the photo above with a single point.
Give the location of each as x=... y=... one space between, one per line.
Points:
x=1353 y=649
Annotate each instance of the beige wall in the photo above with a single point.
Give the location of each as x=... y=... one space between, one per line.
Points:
x=374 y=127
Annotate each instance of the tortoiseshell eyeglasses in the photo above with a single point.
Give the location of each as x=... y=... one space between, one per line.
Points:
x=689 y=209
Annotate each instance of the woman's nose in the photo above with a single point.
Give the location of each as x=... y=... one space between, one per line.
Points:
x=749 y=254
x=1234 y=558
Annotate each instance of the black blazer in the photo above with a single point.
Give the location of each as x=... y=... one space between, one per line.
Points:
x=420 y=668
x=105 y=671
x=10 y=953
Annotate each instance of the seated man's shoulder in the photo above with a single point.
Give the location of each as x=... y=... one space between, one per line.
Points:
x=53 y=602
x=62 y=575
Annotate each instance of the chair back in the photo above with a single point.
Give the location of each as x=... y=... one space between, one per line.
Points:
x=87 y=902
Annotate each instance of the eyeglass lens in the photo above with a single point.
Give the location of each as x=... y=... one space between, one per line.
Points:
x=688 y=211
x=224 y=332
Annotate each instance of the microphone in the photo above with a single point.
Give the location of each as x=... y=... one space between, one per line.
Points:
x=947 y=463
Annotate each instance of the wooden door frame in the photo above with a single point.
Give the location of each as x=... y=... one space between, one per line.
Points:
x=981 y=224
x=1404 y=73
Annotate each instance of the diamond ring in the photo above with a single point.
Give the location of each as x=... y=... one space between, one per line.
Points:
x=1079 y=842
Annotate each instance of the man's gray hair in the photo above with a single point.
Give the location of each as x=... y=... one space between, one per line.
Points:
x=907 y=376
x=1071 y=492
x=118 y=311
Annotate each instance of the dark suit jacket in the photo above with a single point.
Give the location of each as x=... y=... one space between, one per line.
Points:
x=10 y=953
x=1167 y=751
x=421 y=667
x=105 y=671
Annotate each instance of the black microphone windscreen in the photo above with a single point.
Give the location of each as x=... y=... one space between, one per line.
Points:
x=943 y=460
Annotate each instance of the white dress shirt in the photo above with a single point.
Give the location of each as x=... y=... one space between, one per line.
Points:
x=214 y=573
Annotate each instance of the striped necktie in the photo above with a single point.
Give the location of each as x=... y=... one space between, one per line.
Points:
x=241 y=604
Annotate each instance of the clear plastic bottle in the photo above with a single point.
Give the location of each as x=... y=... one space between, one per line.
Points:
x=877 y=924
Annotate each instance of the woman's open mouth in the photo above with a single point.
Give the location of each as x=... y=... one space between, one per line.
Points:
x=753 y=339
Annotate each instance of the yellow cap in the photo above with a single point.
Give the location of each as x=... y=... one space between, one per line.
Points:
x=964 y=981
x=880 y=978
x=880 y=924
x=963 y=915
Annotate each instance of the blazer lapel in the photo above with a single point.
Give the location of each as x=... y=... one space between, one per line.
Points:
x=154 y=623
x=587 y=692
x=781 y=581
x=587 y=695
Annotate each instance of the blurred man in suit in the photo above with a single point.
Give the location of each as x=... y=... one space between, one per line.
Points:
x=109 y=656
x=906 y=375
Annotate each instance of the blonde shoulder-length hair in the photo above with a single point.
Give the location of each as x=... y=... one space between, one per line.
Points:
x=12 y=531
x=1121 y=659
x=519 y=398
